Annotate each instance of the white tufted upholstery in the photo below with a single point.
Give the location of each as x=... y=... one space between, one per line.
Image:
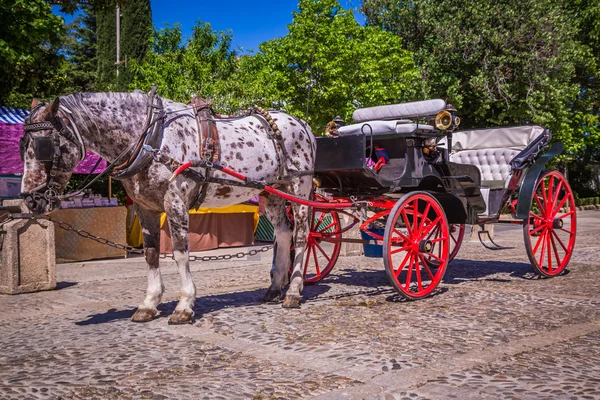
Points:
x=493 y=163
x=491 y=150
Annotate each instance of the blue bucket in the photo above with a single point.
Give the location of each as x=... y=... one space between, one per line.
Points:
x=372 y=249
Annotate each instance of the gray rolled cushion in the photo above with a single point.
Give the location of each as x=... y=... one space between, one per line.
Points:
x=402 y=110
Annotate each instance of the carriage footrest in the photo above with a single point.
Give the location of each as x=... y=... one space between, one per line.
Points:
x=482 y=233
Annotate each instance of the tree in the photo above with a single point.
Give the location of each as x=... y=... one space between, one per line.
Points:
x=136 y=30
x=501 y=62
x=203 y=66
x=80 y=50
x=29 y=37
x=331 y=65
x=106 y=47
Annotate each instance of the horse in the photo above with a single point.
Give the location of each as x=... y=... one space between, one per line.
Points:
x=112 y=126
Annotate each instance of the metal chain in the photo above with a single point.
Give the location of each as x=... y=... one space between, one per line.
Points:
x=130 y=249
x=241 y=254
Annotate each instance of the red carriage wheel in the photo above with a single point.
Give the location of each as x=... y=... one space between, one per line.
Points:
x=549 y=231
x=320 y=256
x=416 y=234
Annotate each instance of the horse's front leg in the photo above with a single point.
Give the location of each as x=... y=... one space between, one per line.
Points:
x=150 y=222
x=293 y=295
x=178 y=217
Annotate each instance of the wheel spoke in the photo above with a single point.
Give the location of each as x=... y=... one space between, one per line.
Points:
x=307 y=260
x=404 y=237
x=439 y=239
x=415 y=216
x=543 y=235
x=323 y=252
x=566 y=215
x=425 y=213
x=555 y=199
x=319 y=221
x=316 y=261
x=537 y=229
x=550 y=204
x=426 y=267
x=398 y=250
x=544 y=194
x=431 y=226
x=418 y=274
x=402 y=264
x=558 y=260
x=560 y=242
x=548 y=247
x=409 y=273
x=537 y=244
x=562 y=202
x=542 y=209
x=437 y=258
x=566 y=231
x=327 y=227
x=534 y=215
x=406 y=222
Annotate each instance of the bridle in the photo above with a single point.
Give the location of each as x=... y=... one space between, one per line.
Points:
x=47 y=151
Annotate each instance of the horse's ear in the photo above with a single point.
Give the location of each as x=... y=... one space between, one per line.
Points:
x=53 y=109
x=35 y=102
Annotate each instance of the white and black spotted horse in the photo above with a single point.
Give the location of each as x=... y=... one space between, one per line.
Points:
x=109 y=124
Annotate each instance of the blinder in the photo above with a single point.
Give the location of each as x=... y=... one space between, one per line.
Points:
x=44 y=149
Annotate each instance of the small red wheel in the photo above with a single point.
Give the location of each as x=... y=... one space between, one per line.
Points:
x=550 y=230
x=416 y=242
x=320 y=256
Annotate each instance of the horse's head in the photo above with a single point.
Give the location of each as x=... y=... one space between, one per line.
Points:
x=50 y=150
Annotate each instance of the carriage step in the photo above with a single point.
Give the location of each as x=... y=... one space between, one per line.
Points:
x=484 y=232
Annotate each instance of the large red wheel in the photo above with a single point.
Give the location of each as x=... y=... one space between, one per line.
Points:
x=415 y=245
x=549 y=231
x=320 y=256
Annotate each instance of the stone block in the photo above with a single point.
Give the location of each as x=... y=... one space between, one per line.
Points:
x=27 y=259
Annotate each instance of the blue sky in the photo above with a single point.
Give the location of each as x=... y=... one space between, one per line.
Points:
x=251 y=22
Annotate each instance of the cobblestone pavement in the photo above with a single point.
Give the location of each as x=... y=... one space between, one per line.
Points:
x=492 y=330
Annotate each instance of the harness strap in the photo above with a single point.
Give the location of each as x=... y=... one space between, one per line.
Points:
x=152 y=135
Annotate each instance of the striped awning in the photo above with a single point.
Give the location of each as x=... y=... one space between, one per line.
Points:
x=12 y=115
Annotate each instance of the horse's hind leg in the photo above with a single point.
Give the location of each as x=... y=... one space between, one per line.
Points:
x=302 y=189
x=283 y=236
x=150 y=222
x=178 y=217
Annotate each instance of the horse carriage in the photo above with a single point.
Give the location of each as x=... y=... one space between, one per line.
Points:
x=401 y=171
x=412 y=183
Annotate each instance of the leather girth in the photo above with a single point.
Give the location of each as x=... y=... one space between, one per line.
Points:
x=209 y=146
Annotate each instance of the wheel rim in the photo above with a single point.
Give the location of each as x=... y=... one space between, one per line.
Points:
x=551 y=227
x=417 y=221
x=321 y=256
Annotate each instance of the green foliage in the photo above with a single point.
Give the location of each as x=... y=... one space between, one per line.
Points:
x=501 y=62
x=106 y=48
x=29 y=37
x=136 y=29
x=204 y=65
x=80 y=51
x=348 y=66
x=352 y=66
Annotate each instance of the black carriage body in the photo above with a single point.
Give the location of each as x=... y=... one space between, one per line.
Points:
x=341 y=166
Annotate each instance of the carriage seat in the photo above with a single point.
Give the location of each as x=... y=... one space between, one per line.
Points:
x=397 y=111
x=382 y=128
x=492 y=150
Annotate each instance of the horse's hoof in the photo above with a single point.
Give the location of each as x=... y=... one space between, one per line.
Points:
x=272 y=296
x=144 y=315
x=181 y=317
x=292 y=301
